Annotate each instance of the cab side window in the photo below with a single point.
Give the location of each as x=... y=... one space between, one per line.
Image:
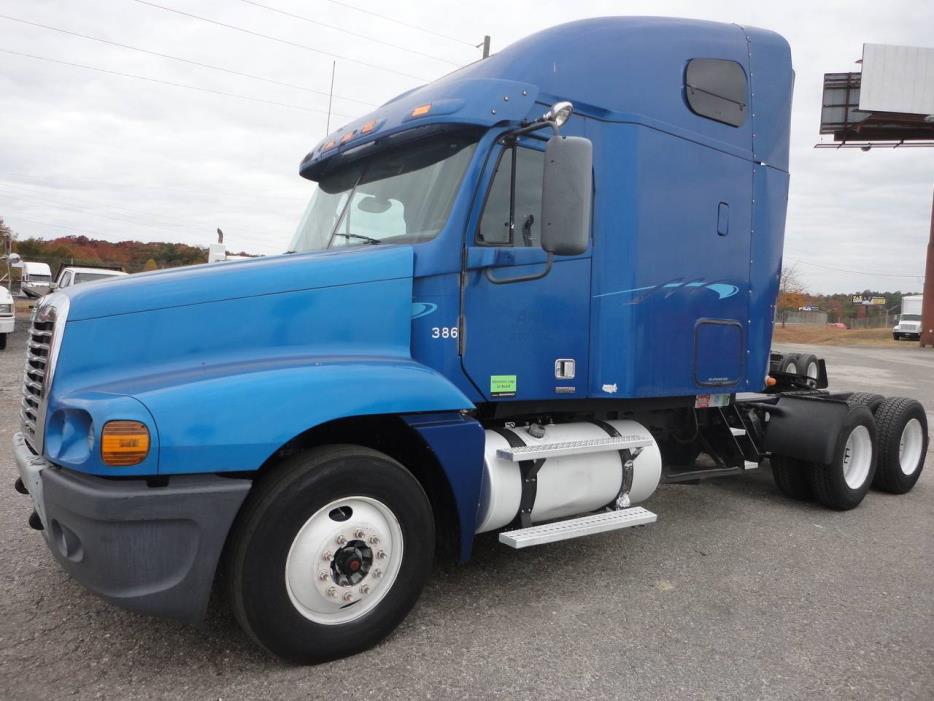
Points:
x=66 y=280
x=516 y=225
x=716 y=89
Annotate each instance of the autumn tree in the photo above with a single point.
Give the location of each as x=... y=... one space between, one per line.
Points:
x=791 y=292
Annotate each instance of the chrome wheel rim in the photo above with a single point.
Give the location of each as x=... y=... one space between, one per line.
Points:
x=344 y=560
x=910 y=446
x=857 y=457
x=812 y=370
x=791 y=369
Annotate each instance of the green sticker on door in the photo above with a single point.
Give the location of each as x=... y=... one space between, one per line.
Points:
x=503 y=385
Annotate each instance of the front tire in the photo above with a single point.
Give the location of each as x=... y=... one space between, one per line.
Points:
x=903 y=444
x=329 y=554
x=843 y=483
x=3 y=340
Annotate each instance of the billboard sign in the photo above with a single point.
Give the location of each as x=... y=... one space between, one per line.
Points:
x=897 y=79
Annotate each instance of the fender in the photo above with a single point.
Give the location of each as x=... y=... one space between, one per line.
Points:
x=235 y=418
x=805 y=428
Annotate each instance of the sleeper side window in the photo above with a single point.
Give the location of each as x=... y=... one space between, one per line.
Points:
x=716 y=89
x=519 y=225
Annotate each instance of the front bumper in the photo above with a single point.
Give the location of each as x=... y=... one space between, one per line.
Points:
x=7 y=323
x=153 y=550
x=906 y=333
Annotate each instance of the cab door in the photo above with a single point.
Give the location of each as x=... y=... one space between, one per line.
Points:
x=525 y=327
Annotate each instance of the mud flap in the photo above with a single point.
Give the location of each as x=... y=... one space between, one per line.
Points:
x=805 y=428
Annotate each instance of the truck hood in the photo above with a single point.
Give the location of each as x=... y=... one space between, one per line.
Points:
x=217 y=282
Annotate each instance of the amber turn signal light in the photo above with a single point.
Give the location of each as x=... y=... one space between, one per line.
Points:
x=124 y=443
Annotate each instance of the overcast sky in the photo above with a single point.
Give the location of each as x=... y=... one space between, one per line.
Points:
x=121 y=158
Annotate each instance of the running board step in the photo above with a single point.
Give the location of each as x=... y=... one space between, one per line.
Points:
x=577 y=527
x=557 y=450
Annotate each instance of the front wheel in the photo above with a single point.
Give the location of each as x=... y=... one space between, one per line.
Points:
x=330 y=553
x=3 y=340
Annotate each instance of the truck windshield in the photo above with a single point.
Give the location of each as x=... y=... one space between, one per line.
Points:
x=89 y=277
x=399 y=195
x=910 y=317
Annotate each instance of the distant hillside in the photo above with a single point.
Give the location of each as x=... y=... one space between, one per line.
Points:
x=132 y=256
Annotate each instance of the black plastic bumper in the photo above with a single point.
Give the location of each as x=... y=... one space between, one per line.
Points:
x=153 y=550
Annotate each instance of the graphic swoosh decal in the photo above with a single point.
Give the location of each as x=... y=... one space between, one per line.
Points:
x=723 y=290
x=420 y=309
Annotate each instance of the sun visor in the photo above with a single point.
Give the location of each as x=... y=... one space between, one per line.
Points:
x=478 y=102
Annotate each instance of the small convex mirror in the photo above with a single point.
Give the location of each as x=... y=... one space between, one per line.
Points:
x=567 y=193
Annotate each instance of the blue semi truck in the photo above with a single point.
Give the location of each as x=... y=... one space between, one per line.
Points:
x=520 y=298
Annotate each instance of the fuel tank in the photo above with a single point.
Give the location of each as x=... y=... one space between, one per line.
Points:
x=567 y=485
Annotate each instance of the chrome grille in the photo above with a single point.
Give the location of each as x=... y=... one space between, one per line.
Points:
x=38 y=357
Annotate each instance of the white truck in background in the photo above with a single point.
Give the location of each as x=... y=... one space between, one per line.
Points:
x=909 y=321
x=37 y=279
x=7 y=315
x=74 y=275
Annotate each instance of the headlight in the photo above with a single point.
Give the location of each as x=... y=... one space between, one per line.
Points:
x=6 y=308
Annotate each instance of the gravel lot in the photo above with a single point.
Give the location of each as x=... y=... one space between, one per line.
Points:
x=736 y=592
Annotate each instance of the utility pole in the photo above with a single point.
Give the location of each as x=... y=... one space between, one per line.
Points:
x=927 y=301
x=327 y=128
x=486 y=46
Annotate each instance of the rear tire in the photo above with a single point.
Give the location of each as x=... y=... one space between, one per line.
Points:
x=791 y=477
x=843 y=483
x=808 y=367
x=866 y=399
x=331 y=525
x=903 y=443
x=789 y=364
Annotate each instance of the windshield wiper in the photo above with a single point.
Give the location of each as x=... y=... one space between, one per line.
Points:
x=368 y=239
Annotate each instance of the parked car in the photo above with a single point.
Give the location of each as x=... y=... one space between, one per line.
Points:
x=37 y=279
x=7 y=315
x=73 y=275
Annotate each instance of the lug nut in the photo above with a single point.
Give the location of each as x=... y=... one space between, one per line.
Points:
x=348 y=597
x=365 y=589
x=341 y=540
x=358 y=533
x=327 y=555
x=381 y=555
x=374 y=540
x=332 y=592
x=323 y=575
x=377 y=573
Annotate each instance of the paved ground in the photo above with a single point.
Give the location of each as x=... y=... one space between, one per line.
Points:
x=736 y=593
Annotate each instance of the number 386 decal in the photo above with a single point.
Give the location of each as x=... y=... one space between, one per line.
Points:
x=444 y=332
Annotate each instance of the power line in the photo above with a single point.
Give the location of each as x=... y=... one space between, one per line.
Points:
x=404 y=24
x=857 y=272
x=87 y=209
x=280 y=40
x=84 y=205
x=347 y=31
x=181 y=60
x=168 y=82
